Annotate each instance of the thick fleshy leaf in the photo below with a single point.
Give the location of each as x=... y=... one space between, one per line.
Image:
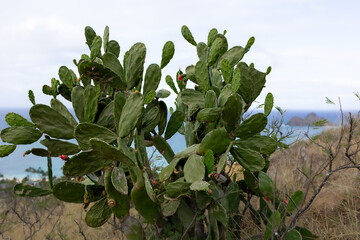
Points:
x=167 y=53
x=266 y=185
x=106 y=151
x=217 y=140
x=273 y=224
x=58 y=147
x=67 y=76
x=175 y=189
x=185 y=31
x=114 y=48
x=95 y=47
x=251 y=126
x=69 y=191
x=130 y=114
x=51 y=122
x=163 y=147
x=202 y=51
x=200 y=185
x=20 y=135
x=233 y=55
x=249 y=159
x=134 y=64
x=111 y=62
x=208 y=114
x=118 y=179
x=202 y=75
x=232 y=111
x=14 y=119
x=168 y=170
x=295 y=201
x=191 y=96
x=25 y=190
x=218 y=47
x=98 y=214
x=226 y=70
x=162 y=93
x=132 y=229
x=85 y=131
x=293 y=235
x=152 y=78
x=269 y=103
x=6 y=150
x=209 y=161
x=60 y=107
x=91 y=103
x=169 y=208
x=194 y=169
x=106 y=118
x=259 y=143
x=175 y=122
x=77 y=99
x=84 y=163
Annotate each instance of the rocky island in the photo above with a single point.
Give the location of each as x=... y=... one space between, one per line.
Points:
x=308 y=120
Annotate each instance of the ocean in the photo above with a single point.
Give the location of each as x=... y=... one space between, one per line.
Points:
x=15 y=164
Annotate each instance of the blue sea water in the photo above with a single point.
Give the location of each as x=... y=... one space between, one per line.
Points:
x=15 y=164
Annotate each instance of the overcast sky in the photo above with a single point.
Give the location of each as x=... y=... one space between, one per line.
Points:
x=313 y=46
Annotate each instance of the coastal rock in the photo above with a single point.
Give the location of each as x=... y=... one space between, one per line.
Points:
x=308 y=120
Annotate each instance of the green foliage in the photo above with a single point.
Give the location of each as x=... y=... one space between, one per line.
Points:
x=120 y=115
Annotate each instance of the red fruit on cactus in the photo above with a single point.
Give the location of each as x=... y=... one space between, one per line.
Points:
x=266 y=199
x=285 y=201
x=179 y=77
x=63 y=157
x=217 y=175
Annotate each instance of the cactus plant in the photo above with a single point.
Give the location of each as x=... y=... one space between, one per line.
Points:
x=120 y=116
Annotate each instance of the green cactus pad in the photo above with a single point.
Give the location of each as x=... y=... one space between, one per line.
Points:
x=106 y=151
x=251 y=126
x=218 y=47
x=232 y=112
x=262 y=144
x=216 y=80
x=121 y=202
x=85 y=131
x=148 y=188
x=69 y=191
x=175 y=189
x=106 y=118
x=151 y=118
x=190 y=96
x=217 y=140
x=200 y=185
x=233 y=195
x=202 y=75
x=31 y=97
x=91 y=103
x=210 y=99
x=193 y=149
x=163 y=117
x=269 y=103
x=208 y=115
x=235 y=84
x=185 y=31
x=132 y=229
x=67 y=76
x=119 y=181
x=293 y=235
x=39 y=152
x=130 y=114
x=95 y=47
x=150 y=96
x=144 y=205
x=249 y=159
x=134 y=64
x=14 y=119
x=152 y=78
x=295 y=201
x=252 y=82
x=90 y=34
x=249 y=43
x=114 y=48
x=168 y=170
x=175 y=122
x=51 y=122
x=194 y=169
x=212 y=33
x=6 y=150
x=167 y=53
x=20 y=135
x=170 y=83
x=209 y=162
x=98 y=214
x=111 y=62
x=58 y=147
x=163 y=147
x=225 y=93
x=190 y=73
x=168 y=208
x=106 y=38
x=60 y=107
x=189 y=133
x=119 y=102
x=226 y=70
x=202 y=51
x=233 y=56
x=162 y=93
x=84 y=163
x=77 y=99
x=25 y=190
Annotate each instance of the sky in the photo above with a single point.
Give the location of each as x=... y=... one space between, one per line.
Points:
x=311 y=45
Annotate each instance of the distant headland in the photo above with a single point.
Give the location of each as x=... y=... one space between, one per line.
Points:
x=308 y=120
